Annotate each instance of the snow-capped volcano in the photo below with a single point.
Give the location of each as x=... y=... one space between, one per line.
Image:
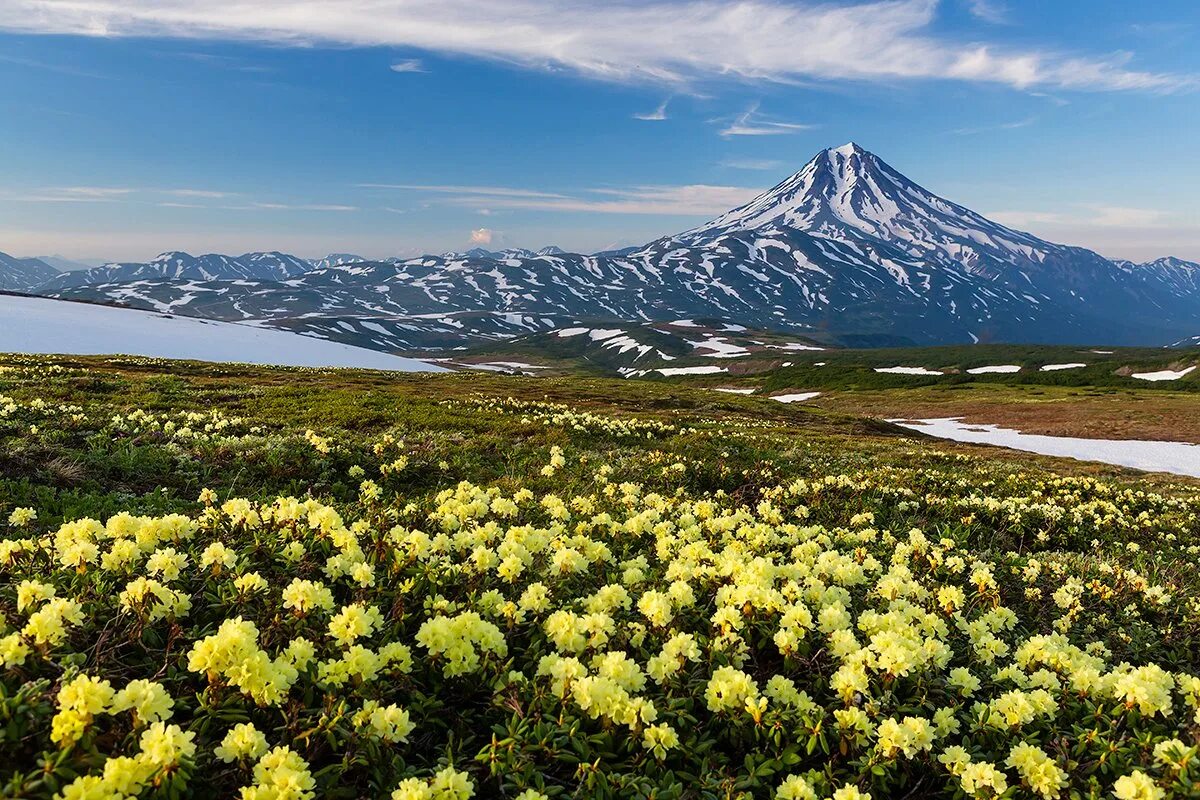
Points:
x=847 y=246
x=847 y=193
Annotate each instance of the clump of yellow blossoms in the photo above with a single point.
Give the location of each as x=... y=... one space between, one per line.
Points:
x=812 y=639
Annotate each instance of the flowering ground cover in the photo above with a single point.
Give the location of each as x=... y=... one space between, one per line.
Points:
x=228 y=581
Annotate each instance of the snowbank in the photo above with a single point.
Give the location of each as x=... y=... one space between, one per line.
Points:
x=45 y=325
x=1180 y=458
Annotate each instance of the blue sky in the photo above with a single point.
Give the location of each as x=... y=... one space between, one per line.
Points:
x=381 y=128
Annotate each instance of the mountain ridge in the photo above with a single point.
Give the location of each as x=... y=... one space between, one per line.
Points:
x=847 y=245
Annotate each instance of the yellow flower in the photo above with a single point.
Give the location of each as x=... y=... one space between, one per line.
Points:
x=250 y=582
x=729 y=689
x=460 y=640
x=78 y=702
x=851 y=792
x=281 y=773
x=30 y=593
x=165 y=746
x=149 y=701
x=412 y=789
x=660 y=738
x=218 y=556
x=982 y=779
x=48 y=625
x=243 y=741
x=390 y=723
x=910 y=736
x=795 y=787
x=1037 y=770
x=303 y=596
x=1137 y=785
x=450 y=784
x=1148 y=688
x=955 y=759
x=13 y=650
x=353 y=622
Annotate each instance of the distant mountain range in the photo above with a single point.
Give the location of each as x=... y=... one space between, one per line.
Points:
x=846 y=249
x=24 y=274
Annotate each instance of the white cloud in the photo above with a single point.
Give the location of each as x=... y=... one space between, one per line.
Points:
x=481 y=236
x=409 y=65
x=751 y=123
x=657 y=115
x=989 y=11
x=673 y=41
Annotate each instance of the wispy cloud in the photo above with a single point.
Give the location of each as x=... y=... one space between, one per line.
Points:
x=1096 y=215
x=751 y=123
x=751 y=163
x=409 y=65
x=63 y=69
x=217 y=60
x=94 y=191
x=1137 y=233
x=1055 y=99
x=671 y=41
x=687 y=200
x=189 y=198
x=1003 y=126
x=1126 y=217
x=487 y=191
x=298 y=207
x=69 y=194
x=991 y=11
x=207 y=193
x=657 y=115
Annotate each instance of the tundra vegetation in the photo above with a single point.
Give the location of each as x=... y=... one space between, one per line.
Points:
x=234 y=581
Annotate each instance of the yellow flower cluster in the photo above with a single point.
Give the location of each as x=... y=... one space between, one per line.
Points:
x=652 y=620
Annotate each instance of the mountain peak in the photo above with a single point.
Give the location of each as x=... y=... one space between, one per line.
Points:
x=847 y=194
x=848 y=149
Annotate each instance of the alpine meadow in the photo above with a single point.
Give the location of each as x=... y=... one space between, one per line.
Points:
x=655 y=446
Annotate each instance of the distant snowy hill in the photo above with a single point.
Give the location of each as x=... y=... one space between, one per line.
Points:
x=23 y=274
x=45 y=325
x=846 y=247
x=337 y=259
x=183 y=266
